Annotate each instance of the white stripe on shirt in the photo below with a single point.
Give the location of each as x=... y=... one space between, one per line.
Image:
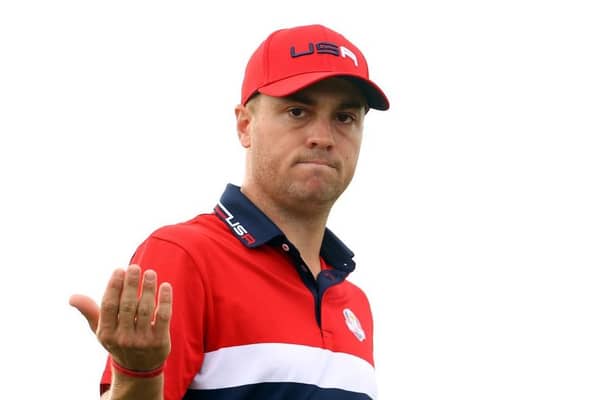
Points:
x=281 y=362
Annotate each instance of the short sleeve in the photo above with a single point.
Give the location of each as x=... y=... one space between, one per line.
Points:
x=173 y=264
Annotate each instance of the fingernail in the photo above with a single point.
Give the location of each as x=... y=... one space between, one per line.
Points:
x=133 y=269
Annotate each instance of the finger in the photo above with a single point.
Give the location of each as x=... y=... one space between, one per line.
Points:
x=88 y=308
x=129 y=299
x=146 y=303
x=109 y=307
x=164 y=310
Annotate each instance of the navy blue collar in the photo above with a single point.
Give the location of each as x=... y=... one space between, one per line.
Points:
x=253 y=228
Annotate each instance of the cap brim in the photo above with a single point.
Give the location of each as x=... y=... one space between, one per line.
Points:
x=285 y=87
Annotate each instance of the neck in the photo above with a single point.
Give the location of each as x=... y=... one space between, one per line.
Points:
x=304 y=226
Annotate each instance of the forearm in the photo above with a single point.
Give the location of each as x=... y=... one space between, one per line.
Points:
x=128 y=388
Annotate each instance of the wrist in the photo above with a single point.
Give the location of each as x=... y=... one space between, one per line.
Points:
x=136 y=373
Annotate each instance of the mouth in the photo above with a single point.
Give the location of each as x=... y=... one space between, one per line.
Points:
x=318 y=163
x=316 y=158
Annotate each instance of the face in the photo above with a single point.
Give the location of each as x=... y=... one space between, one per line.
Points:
x=302 y=150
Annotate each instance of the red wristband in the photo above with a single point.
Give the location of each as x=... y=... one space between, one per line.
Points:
x=137 y=374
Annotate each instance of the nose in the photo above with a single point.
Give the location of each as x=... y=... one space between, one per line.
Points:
x=321 y=134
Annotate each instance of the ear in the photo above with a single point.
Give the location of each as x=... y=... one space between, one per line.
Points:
x=243 y=117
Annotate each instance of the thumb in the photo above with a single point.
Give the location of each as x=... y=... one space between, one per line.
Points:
x=88 y=308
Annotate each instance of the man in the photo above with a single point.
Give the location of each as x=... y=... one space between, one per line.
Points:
x=253 y=300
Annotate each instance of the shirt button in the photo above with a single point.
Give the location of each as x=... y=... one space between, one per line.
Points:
x=285 y=247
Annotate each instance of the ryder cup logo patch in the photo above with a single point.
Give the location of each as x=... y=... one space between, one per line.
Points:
x=354 y=324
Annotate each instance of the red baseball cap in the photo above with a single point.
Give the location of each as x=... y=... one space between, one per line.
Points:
x=292 y=59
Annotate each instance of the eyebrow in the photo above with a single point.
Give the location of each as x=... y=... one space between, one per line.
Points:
x=310 y=101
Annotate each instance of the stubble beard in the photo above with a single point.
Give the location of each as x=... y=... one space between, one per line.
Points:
x=292 y=190
x=302 y=196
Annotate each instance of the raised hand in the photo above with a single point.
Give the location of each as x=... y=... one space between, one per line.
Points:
x=133 y=328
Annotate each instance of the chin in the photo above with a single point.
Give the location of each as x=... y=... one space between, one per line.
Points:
x=316 y=192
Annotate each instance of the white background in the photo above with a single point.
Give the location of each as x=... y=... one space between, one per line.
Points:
x=474 y=212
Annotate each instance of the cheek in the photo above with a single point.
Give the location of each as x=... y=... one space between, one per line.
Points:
x=266 y=154
x=352 y=149
x=274 y=143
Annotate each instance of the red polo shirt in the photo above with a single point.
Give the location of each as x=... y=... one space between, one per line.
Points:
x=249 y=319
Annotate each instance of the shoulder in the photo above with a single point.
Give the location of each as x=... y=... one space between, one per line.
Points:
x=189 y=239
x=354 y=292
x=198 y=229
x=199 y=239
x=355 y=289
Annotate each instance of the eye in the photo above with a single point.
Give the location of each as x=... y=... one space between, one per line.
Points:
x=345 y=118
x=296 y=112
